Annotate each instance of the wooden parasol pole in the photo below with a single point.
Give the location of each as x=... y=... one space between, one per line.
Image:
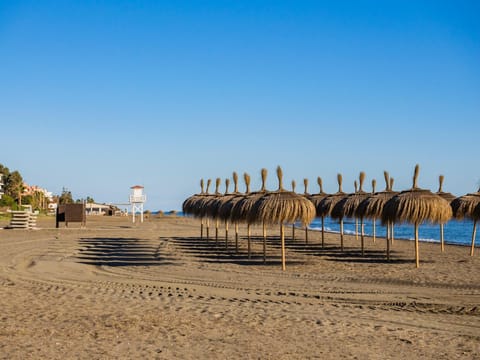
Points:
x=323 y=231
x=362 y=236
x=341 y=234
x=473 y=236
x=417 y=255
x=248 y=240
x=226 y=234
x=282 y=236
x=208 y=229
x=442 y=244
x=236 y=237
x=264 y=243
x=388 y=241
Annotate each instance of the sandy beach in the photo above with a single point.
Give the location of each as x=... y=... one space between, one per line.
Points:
x=155 y=290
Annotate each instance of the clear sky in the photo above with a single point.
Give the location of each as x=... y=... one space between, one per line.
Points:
x=97 y=96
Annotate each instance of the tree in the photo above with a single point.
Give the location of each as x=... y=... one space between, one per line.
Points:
x=65 y=197
x=14 y=186
x=8 y=201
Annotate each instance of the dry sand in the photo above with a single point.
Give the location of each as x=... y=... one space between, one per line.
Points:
x=155 y=290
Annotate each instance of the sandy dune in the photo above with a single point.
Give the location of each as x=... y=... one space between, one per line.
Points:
x=155 y=290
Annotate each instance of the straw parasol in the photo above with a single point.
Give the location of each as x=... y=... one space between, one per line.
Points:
x=205 y=208
x=316 y=199
x=281 y=207
x=346 y=207
x=225 y=210
x=242 y=209
x=468 y=206
x=416 y=206
x=218 y=203
x=325 y=206
x=476 y=212
x=447 y=196
x=191 y=204
x=372 y=207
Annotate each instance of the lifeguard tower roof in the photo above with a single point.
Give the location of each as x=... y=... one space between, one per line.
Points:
x=137 y=187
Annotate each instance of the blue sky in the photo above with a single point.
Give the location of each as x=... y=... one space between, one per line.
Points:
x=97 y=96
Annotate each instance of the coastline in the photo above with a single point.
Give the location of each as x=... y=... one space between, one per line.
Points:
x=155 y=290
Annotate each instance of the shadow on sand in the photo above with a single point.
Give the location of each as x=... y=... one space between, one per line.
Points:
x=119 y=252
x=210 y=250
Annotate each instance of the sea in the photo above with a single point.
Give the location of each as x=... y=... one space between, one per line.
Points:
x=457 y=232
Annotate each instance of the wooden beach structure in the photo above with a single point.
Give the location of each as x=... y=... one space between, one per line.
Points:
x=283 y=207
x=416 y=206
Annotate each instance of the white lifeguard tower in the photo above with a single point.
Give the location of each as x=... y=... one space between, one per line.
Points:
x=137 y=198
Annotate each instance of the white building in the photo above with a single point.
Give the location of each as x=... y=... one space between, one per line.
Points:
x=137 y=198
x=1 y=185
x=99 y=209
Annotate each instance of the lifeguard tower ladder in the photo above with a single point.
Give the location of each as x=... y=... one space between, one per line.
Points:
x=137 y=198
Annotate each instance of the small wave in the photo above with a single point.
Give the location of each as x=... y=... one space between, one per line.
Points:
x=425 y=240
x=319 y=228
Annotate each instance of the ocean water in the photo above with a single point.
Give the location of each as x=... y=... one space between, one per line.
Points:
x=454 y=232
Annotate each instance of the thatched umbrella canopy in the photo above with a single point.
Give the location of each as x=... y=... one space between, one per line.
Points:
x=316 y=200
x=213 y=204
x=416 y=206
x=205 y=206
x=324 y=208
x=281 y=207
x=476 y=212
x=346 y=207
x=242 y=209
x=372 y=206
x=225 y=210
x=191 y=205
x=216 y=205
x=447 y=196
x=467 y=206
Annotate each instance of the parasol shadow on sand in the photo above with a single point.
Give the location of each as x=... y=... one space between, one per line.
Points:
x=372 y=207
x=325 y=206
x=447 y=196
x=468 y=206
x=316 y=200
x=282 y=207
x=416 y=206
